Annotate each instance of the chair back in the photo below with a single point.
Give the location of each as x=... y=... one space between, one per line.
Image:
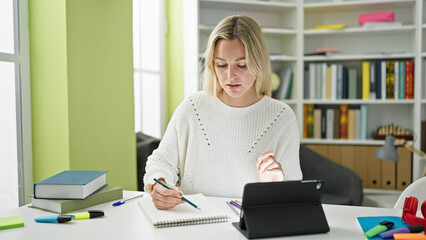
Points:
x=416 y=189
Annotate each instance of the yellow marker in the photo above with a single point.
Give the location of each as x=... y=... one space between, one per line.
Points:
x=89 y=214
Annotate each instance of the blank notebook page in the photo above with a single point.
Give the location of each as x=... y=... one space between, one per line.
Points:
x=183 y=214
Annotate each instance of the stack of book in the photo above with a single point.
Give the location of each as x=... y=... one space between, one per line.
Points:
x=388 y=79
x=335 y=121
x=69 y=191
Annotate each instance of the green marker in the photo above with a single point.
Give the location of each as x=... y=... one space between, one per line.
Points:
x=382 y=227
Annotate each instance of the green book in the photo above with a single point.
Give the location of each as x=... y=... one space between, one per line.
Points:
x=352 y=85
x=11 y=222
x=107 y=194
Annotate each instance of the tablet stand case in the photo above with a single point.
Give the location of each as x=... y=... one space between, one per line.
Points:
x=282 y=209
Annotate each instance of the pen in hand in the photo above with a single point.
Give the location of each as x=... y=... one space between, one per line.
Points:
x=183 y=198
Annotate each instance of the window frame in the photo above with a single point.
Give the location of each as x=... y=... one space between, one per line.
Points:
x=21 y=59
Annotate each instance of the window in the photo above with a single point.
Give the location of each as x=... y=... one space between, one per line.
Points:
x=149 y=66
x=15 y=124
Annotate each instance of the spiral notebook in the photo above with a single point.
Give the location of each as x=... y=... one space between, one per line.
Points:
x=183 y=214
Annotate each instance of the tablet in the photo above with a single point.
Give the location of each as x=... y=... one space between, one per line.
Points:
x=282 y=209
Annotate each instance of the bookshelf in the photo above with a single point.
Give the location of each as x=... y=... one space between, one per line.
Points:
x=288 y=26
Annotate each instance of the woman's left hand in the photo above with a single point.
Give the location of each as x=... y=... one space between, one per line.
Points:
x=269 y=169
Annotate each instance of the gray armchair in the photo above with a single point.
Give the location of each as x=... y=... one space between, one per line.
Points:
x=342 y=186
x=145 y=145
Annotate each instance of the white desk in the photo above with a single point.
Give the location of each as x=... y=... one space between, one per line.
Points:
x=128 y=222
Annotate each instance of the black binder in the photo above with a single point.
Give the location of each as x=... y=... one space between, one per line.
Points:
x=282 y=209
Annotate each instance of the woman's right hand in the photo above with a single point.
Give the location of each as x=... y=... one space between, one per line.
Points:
x=164 y=198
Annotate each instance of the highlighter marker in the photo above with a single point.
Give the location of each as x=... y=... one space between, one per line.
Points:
x=88 y=214
x=55 y=219
x=383 y=226
x=409 y=236
x=409 y=229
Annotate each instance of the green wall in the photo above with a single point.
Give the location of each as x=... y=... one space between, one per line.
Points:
x=175 y=90
x=82 y=88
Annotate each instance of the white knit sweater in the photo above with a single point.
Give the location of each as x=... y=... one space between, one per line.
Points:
x=211 y=148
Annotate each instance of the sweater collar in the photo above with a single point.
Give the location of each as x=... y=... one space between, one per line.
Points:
x=239 y=111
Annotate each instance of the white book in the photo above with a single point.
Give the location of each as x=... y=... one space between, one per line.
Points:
x=183 y=214
x=339 y=81
x=384 y=80
x=333 y=84
x=372 y=80
x=324 y=77
x=311 y=80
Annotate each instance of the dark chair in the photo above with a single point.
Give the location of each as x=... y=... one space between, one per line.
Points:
x=342 y=186
x=145 y=145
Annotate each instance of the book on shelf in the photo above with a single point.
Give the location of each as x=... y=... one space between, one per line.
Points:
x=312 y=75
x=306 y=86
x=317 y=123
x=357 y=126
x=388 y=79
x=305 y=125
x=330 y=123
x=401 y=87
x=365 y=80
x=396 y=80
x=390 y=74
x=71 y=184
x=352 y=84
x=344 y=121
x=307 y=54
x=310 y=120
x=327 y=50
x=328 y=83
x=351 y=124
x=383 y=79
x=286 y=79
x=183 y=214
x=331 y=27
x=336 y=121
x=378 y=79
x=107 y=194
x=372 y=94
x=339 y=81
x=409 y=79
x=363 y=124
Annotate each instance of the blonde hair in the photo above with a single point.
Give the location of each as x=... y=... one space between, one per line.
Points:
x=257 y=54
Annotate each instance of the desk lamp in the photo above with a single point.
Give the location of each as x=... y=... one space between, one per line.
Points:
x=388 y=151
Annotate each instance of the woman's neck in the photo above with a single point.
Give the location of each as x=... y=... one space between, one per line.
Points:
x=243 y=101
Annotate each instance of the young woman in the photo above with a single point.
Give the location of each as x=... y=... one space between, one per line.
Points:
x=232 y=132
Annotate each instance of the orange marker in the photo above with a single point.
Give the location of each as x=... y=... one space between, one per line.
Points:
x=409 y=236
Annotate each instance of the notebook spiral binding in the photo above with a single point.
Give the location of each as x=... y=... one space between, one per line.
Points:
x=191 y=221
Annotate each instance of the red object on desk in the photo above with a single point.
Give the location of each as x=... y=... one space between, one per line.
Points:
x=409 y=212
